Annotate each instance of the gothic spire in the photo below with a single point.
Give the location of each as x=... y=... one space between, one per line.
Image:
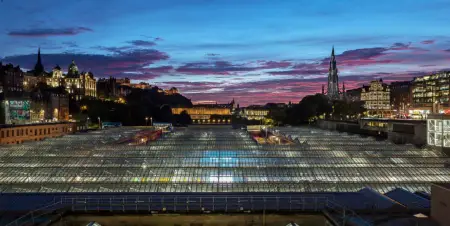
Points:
x=332 y=60
x=38 y=68
x=333 y=81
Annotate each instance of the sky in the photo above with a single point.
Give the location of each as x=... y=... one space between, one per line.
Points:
x=255 y=51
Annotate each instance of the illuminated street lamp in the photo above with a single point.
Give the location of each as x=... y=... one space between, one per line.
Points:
x=146 y=121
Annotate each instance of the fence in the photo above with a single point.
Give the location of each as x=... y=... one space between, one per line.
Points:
x=181 y=204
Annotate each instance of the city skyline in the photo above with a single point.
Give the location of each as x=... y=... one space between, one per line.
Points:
x=211 y=50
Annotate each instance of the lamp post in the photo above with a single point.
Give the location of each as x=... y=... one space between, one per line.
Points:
x=151 y=121
x=99 y=123
x=146 y=121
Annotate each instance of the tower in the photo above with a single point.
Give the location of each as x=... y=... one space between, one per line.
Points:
x=39 y=68
x=333 y=81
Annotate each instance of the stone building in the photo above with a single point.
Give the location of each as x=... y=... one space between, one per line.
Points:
x=377 y=99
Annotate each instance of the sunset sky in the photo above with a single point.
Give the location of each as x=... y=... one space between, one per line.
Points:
x=255 y=51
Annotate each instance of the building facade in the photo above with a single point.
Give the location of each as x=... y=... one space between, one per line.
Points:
x=11 y=79
x=401 y=97
x=377 y=99
x=77 y=84
x=254 y=112
x=171 y=91
x=333 y=80
x=49 y=107
x=353 y=95
x=208 y=113
x=430 y=94
x=107 y=88
x=33 y=132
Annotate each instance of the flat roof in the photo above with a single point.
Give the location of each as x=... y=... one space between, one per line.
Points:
x=33 y=124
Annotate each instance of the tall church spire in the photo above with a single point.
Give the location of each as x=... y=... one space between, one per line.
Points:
x=39 y=68
x=333 y=81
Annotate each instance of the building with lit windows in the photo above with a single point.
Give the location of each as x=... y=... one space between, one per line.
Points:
x=438 y=131
x=430 y=94
x=208 y=113
x=171 y=91
x=80 y=84
x=107 y=88
x=77 y=84
x=400 y=97
x=11 y=79
x=49 y=107
x=377 y=98
x=254 y=112
x=16 y=134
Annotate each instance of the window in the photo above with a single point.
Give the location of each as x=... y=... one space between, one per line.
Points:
x=12 y=133
x=3 y=134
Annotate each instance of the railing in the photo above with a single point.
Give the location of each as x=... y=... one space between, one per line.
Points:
x=38 y=216
x=171 y=203
x=341 y=215
x=183 y=204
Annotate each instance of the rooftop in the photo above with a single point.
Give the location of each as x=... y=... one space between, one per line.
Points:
x=218 y=159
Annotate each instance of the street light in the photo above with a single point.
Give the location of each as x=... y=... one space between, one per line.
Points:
x=146 y=121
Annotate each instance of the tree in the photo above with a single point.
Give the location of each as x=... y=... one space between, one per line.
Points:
x=344 y=110
x=277 y=116
x=165 y=114
x=309 y=109
x=184 y=118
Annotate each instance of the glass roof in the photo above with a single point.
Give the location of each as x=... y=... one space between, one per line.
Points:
x=218 y=159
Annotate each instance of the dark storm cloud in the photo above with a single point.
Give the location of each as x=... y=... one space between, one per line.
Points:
x=43 y=32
